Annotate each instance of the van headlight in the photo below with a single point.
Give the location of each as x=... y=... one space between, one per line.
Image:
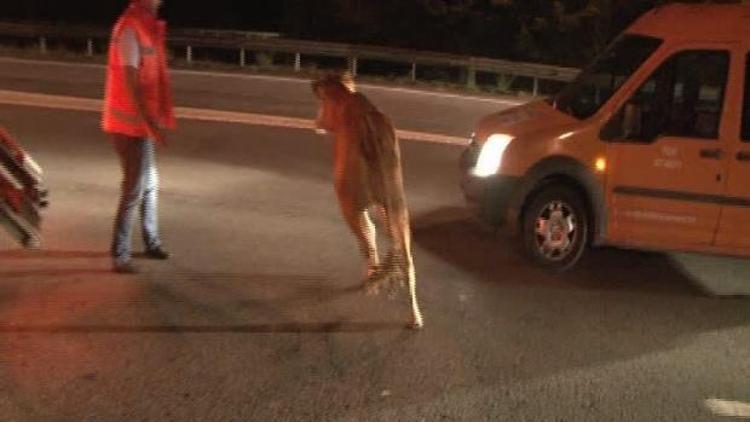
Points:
x=491 y=155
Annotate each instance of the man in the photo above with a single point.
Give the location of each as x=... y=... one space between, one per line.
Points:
x=137 y=111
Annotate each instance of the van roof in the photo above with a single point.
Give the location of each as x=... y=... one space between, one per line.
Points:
x=699 y=22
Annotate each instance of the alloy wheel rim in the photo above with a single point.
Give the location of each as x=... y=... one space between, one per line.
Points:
x=556 y=231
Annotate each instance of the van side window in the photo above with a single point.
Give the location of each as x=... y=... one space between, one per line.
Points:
x=682 y=98
x=746 y=103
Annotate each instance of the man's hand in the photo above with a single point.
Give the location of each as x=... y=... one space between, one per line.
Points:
x=157 y=133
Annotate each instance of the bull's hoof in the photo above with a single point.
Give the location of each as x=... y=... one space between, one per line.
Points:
x=397 y=280
x=376 y=282
x=378 y=277
x=32 y=242
x=417 y=325
x=370 y=288
x=396 y=284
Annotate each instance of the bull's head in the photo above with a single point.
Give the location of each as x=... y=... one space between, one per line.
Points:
x=332 y=91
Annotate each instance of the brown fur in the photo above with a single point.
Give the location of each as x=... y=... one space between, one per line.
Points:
x=367 y=174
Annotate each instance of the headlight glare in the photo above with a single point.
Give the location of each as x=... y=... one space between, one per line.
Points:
x=491 y=155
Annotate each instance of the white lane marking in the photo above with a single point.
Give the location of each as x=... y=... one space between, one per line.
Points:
x=16 y=60
x=501 y=101
x=728 y=408
x=189 y=113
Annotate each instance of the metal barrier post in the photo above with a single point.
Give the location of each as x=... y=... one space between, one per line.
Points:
x=189 y=54
x=297 y=62
x=536 y=87
x=471 y=75
x=43 y=45
x=353 y=65
x=242 y=57
x=89 y=47
x=413 y=74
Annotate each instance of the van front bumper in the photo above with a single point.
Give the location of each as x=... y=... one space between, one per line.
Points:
x=492 y=199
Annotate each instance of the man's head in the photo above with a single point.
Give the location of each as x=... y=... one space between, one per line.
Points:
x=152 y=5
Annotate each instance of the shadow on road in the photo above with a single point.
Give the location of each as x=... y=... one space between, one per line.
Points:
x=224 y=303
x=615 y=306
x=451 y=234
x=48 y=260
x=55 y=272
x=293 y=327
x=51 y=254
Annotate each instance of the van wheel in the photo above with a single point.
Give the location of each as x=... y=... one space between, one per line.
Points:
x=555 y=227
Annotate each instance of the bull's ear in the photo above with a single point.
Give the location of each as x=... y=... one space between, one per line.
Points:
x=347 y=79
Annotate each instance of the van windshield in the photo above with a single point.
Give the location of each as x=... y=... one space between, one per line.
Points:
x=591 y=89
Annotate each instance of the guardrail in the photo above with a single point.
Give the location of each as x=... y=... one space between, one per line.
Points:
x=265 y=42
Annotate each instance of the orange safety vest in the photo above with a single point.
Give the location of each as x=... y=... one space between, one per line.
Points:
x=120 y=113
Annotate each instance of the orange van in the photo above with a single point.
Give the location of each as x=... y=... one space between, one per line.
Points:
x=648 y=148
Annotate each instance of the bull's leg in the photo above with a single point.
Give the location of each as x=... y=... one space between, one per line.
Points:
x=388 y=270
x=400 y=232
x=382 y=217
x=368 y=241
x=417 y=321
x=357 y=218
x=393 y=269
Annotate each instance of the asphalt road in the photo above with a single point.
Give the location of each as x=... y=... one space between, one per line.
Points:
x=259 y=315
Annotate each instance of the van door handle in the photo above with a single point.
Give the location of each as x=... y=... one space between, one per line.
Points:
x=714 y=154
x=743 y=156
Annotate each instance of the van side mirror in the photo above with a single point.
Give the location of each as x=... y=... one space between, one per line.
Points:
x=632 y=121
x=632 y=124
x=625 y=125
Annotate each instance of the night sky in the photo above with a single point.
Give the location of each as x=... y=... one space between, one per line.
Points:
x=249 y=14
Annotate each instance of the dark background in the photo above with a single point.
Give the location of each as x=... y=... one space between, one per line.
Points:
x=564 y=32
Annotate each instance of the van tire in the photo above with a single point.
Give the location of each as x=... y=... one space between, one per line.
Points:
x=555 y=227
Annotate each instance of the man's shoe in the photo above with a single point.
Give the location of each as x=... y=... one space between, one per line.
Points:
x=124 y=268
x=157 y=253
